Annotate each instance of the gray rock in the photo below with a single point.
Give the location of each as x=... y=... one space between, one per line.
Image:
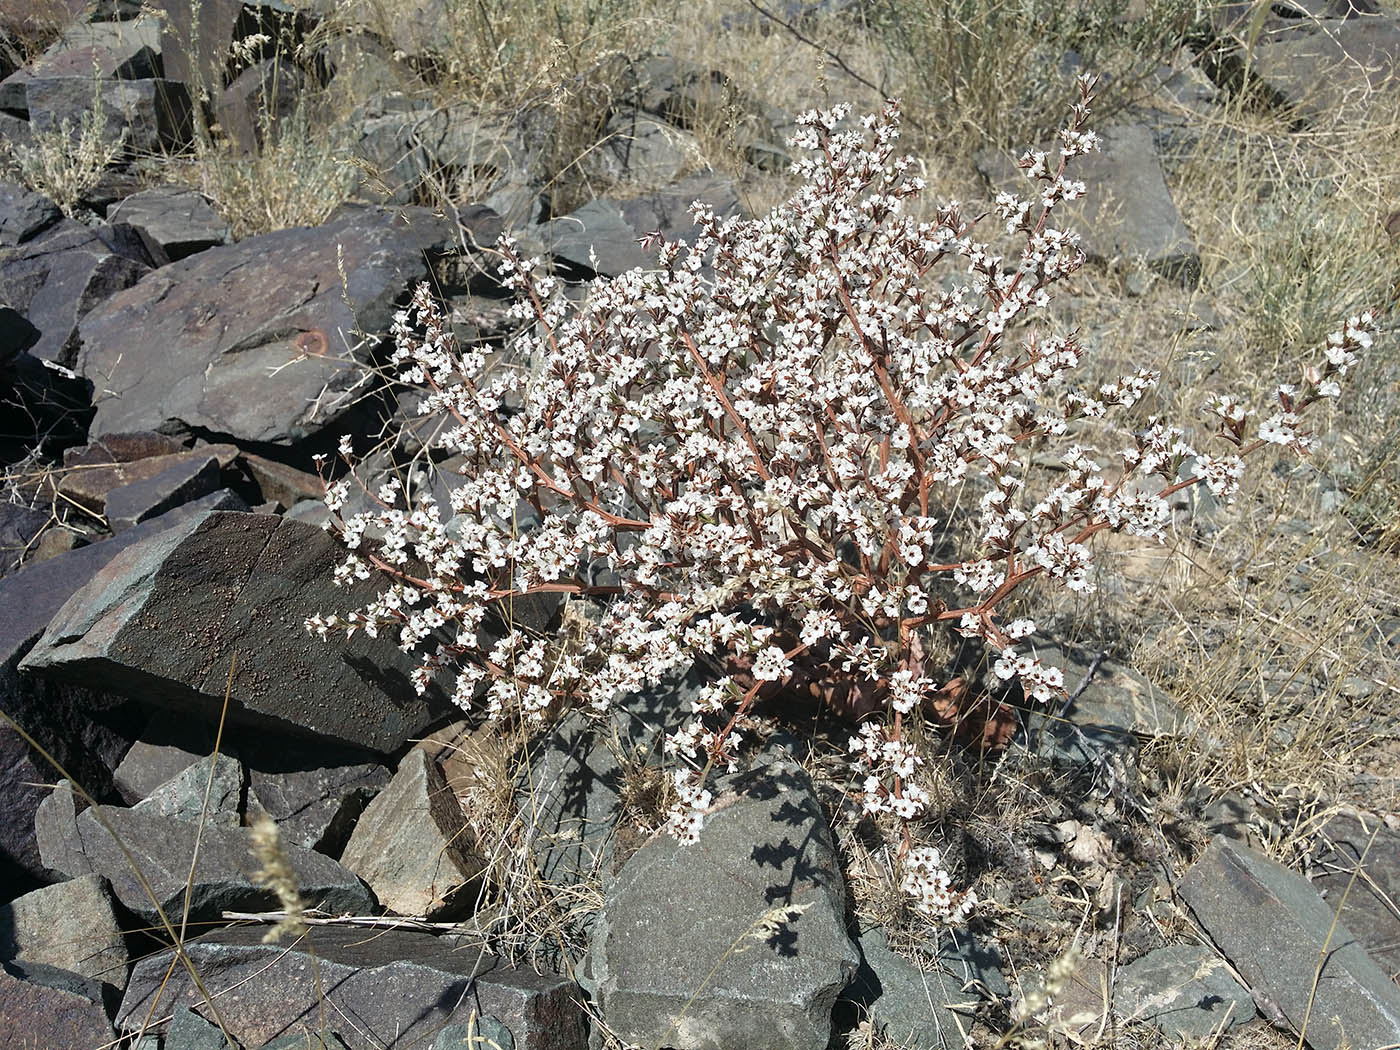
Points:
x=182 y=797
x=412 y=845
x=1184 y=989
x=400 y=987
x=57 y=279
x=23 y=213
x=81 y=729
x=148 y=765
x=1271 y=925
x=189 y=1031
x=149 y=116
x=1127 y=213
x=92 y=471
x=19 y=531
x=316 y=807
x=677 y=977
x=183 y=481
x=486 y=1033
x=181 y=221
x=1345 y=845
x=236 y=583
x=173 y=354
x=1331 y=66
x=609 y=229
x=162 y=848
x=641 y=150
x=570 y=795
x=197 y=36
x=103 y=50
x=911 y=1007
x=47 y=1007
x=70 y=925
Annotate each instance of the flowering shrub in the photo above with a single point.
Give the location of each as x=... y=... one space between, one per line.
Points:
x=750 y=453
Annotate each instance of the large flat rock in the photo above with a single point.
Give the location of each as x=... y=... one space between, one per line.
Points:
x=163 y=620
x=663 y=962
x=379 y=989
x=257 y=340
x=1273 y=927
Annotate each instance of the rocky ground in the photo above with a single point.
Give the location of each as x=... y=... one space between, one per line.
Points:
x=1201 y=848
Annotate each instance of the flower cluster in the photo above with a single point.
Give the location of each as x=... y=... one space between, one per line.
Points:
x=755 y=453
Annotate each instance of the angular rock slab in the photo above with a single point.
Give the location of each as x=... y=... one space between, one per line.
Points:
x=662 y=964
x=162 y=848
x=197 y=345
x=163 y=620
x=1184 y=989
x=384 y=989
x=1126 y=212
x=602 y=235
x=71 y=926
x=24 y=214
x=180 y=221
x=1271 y=924
x=56 y=279
x=1340 y=67
x=45 y=1007
x=412 y=844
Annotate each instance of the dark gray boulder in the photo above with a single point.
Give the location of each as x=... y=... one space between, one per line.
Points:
x=163 y=620
x=162 y=848
x=54 y=280
x=399 y=987
x=24 y=214
x=48 y=1007
x=181 y=221
x=677 y=956
x=1271 y=924
x=146 y=117
x=69 y=925
x=193 y=476
x=602 y=235
x=197 y=345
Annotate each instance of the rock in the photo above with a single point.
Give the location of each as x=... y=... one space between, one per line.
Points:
x=412 y=844
x=408 y=149
x=56 y=279
x=1184 y=989
x=47 y=1007
x=570 y=794
x=189 y=1031
x=315 y=806
x=149 y=116
x=668 y=976
x=910 y=1007
x=262 y=99
x=189 y=478
x=24 y=214
x=19 y=532
x=182 y=797
x=1331 y=67
x=173 y=355
x=92 y=472
x=198 y=37
x=277 y=481
x=486 y=1033
x=643 y=151
x=241 y=584
x=1127 y=213
x=181 y=221
x=400 y=987
x=1343 y=843
x=1272 y=925
x=148 y=765
x=610 y=229
x=87 y=733
x=103 y=51
x=70 y=926
x=162 y=848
